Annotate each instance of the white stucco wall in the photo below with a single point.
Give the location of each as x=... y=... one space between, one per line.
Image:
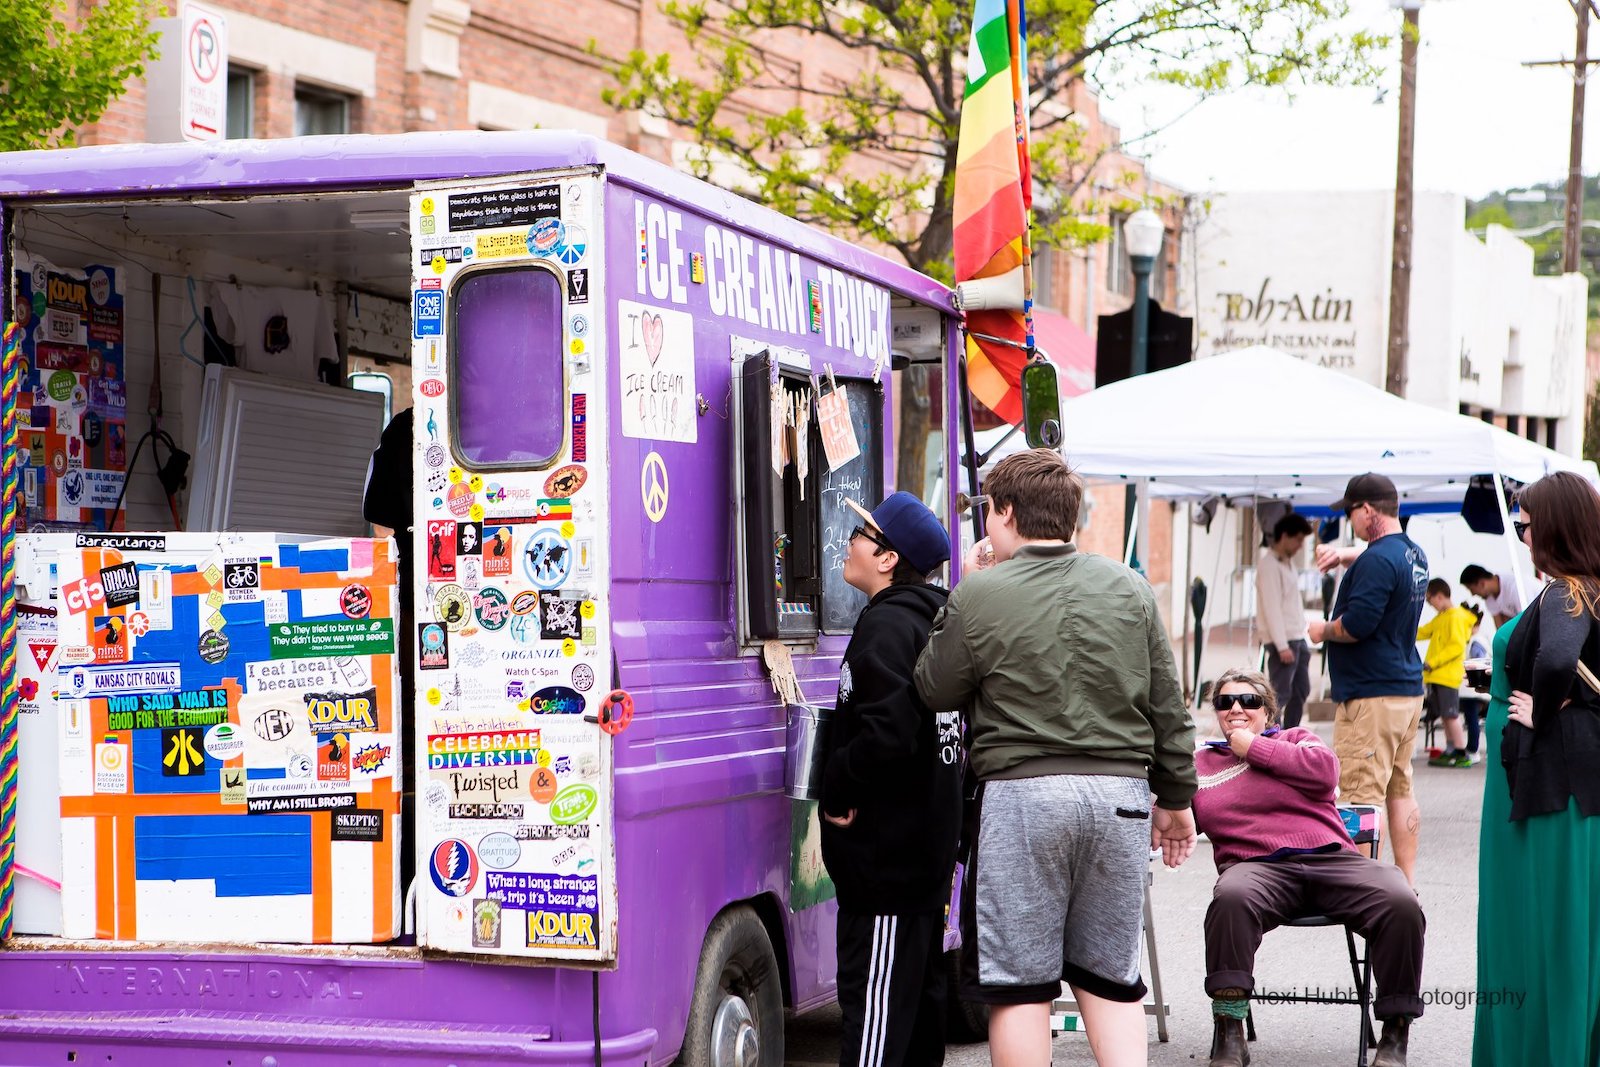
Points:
x=1308 y=273
x=1273 y=269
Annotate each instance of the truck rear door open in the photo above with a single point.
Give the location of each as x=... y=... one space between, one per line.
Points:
x=513 y=660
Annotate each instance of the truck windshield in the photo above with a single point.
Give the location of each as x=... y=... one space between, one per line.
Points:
x=509 y=377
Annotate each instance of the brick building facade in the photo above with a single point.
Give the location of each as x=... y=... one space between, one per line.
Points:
x=391 y=66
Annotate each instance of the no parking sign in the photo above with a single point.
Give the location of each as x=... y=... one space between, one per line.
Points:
x=186 y=86
x=205 y=84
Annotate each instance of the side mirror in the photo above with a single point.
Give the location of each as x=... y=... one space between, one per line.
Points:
x=1041 y=405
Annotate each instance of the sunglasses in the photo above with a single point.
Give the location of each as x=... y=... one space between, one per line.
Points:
x=1521 y=528
x=1350 y=512
x=862 y=531
x=1247 y=701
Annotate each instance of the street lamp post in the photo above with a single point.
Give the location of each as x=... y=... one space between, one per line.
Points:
x=1143 y=231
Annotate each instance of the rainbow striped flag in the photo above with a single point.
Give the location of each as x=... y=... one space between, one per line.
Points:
x=993 y=198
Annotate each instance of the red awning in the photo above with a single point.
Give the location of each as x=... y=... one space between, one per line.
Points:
x=1068 y=347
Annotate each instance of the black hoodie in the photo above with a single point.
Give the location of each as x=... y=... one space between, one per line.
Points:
x=893 y=761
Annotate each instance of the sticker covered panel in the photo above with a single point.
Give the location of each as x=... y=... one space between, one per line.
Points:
x=229 y=756
x=514 y=768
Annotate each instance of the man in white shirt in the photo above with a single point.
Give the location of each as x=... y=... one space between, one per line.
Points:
x=1498 y=592
x=1281 y=615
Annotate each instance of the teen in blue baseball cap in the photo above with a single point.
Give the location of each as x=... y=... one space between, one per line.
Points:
x=891 y=793
x=904 y=525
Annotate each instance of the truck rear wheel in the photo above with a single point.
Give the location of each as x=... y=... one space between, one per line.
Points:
x=736 y=1016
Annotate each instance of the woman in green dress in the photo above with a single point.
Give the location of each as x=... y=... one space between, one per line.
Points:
x=1539 y=854
x=1497 y=1037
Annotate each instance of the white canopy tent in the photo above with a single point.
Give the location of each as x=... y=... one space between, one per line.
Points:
x=1259 y=423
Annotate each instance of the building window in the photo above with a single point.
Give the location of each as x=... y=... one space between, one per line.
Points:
x=1044 y=277
x=1119 y=272
x=1119 y=266
x=506 y=330
x=317 y=111
x=241 y=102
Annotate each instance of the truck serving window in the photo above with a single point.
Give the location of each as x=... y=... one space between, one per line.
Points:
x=796 y=524
x=505 y=336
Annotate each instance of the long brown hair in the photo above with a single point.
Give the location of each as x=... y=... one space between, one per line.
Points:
x=1566 y=535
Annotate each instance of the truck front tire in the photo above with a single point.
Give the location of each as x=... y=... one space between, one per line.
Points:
x=736 y=1016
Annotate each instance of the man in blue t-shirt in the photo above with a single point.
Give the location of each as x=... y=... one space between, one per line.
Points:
x=1373 y=662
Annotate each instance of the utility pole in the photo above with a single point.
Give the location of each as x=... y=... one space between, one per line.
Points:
x=1571 y=241
x=1572 y=237
x=1400 y=256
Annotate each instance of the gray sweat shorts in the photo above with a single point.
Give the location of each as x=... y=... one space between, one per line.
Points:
x=1055 y=889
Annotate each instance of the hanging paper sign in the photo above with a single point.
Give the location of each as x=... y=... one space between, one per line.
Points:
x=778 y=414
x=839 y=442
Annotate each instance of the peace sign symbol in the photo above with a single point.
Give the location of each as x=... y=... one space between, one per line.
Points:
x=653 y=486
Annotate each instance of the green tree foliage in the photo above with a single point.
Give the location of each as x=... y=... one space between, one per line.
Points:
x=54 y=78
x=1490 y=214
x=874 y=157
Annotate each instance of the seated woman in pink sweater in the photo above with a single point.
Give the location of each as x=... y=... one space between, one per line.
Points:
x=1267 y=803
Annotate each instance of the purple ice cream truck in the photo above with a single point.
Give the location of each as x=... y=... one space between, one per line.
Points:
x=639 y=405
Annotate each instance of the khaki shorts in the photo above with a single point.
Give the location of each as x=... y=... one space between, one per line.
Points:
x=1373 y=738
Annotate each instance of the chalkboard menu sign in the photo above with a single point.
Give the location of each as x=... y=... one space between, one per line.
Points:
x=797 y=529
x=861 y=480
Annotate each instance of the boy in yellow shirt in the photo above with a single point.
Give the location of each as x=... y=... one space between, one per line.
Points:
x=1444 y=668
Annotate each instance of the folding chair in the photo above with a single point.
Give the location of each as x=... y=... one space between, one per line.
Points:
x=1361 y=823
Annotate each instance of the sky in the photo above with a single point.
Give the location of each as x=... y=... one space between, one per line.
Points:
x=1484 y=122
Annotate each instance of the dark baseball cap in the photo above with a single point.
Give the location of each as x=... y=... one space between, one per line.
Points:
x=914 y=531
x=1367 y=488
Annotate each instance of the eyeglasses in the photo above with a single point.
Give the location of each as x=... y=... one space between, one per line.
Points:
x=1247 y=701
x=1521 y=528
x=862 y=531
x=1350 y=512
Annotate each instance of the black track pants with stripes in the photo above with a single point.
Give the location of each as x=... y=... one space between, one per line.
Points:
x=891 y=990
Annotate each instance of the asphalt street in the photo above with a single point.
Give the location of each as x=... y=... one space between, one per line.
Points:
x=1293 y=1035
